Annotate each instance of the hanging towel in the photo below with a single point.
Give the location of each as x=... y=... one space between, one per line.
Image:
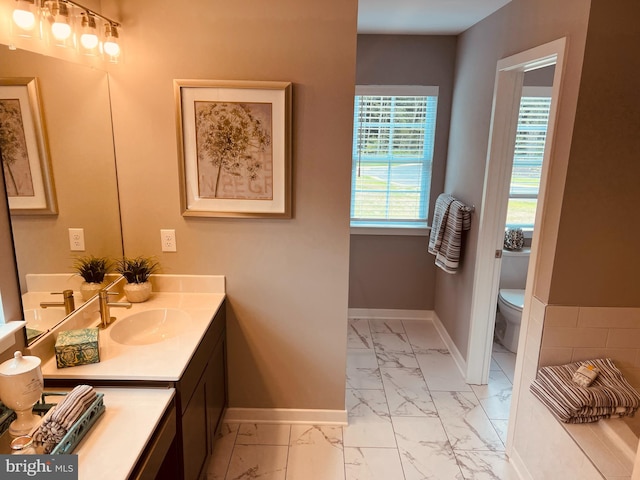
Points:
x=451 y=217
x=609 y=395
x=439 y=221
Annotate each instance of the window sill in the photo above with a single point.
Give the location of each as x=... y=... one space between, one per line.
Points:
x=418 y=230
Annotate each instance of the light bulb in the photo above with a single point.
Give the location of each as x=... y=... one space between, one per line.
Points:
x=89 y=40
x=25 y=19
x=61 y=31
x=112 y=49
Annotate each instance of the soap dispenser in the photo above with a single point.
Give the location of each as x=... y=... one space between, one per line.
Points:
x=21 y=385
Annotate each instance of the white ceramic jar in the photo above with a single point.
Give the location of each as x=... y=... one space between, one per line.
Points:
x=21 y=385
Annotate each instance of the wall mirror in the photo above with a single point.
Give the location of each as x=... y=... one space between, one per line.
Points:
x=76 y=114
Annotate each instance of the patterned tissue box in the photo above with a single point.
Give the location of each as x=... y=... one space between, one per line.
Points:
x=77 y=347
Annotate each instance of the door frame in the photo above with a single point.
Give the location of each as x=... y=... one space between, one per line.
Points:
x=506 y=101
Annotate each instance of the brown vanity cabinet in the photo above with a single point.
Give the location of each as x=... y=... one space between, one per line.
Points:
x=183 y=441
x=202 y=396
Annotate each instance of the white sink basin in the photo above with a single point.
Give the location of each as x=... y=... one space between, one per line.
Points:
x=149 y=326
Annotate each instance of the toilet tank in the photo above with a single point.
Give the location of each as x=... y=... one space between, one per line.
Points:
x=513 y=271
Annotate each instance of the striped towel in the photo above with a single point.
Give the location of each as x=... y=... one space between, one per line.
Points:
x=609 y=395
x=450 y=218
x=61 y=418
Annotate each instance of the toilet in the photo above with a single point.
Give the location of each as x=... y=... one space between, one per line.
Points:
x=513 y=278
x=510 y=303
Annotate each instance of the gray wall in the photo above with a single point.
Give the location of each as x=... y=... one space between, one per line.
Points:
x=287 y=280
x=393 y=272
x=520 y=25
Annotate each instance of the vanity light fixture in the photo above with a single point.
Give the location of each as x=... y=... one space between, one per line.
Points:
x=60 y=21
x=111 y=45
x=25 y=16
x=89 y=35
x=69 y=24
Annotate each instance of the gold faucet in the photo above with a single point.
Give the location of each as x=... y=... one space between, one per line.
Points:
x=68 y=302
x=105 y=316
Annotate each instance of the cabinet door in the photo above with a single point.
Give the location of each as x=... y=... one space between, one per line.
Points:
x=216 y=390
x=194 y=434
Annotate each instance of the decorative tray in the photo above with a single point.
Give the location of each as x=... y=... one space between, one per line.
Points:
x=70 y=441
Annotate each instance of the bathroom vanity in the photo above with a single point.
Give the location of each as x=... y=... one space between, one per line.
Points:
x=188 y=360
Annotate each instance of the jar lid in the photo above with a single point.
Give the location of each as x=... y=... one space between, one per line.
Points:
x=20 y=443
x=19 y=364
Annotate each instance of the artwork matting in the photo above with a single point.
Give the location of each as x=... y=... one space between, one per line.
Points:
x=24 y=149
x=234 y=148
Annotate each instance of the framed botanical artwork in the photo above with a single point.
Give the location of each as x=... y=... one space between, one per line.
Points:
x=234 y=144
x=24 y=150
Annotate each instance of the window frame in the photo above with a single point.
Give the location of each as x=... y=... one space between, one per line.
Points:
x=384 y=226
x=528 y=91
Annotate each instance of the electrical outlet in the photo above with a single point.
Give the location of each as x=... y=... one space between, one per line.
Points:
x=76 y=239
x=168 y=239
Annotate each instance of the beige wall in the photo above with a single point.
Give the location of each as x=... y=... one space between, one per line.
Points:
x=597 y=260
x=286 y=279
x=77 y=118
x=9 y=291
x=520 y=25
x=393 y=272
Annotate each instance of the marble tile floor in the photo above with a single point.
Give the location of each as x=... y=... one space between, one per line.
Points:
x=411 y=417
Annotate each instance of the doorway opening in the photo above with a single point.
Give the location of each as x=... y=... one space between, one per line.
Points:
x=508 y=90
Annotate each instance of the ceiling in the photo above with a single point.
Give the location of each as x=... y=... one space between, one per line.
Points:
x=423 y=17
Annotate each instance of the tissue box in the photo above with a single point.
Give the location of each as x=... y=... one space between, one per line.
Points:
x=77 y=347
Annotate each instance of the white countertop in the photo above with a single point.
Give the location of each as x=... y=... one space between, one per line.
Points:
x=113 y=445
x=163 y=361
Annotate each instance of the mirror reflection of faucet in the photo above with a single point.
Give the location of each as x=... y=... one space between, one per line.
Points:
x=68 y=302
x=105 y=316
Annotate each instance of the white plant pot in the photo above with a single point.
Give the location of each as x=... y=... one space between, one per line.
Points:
x=137 y=292
x=89 y=289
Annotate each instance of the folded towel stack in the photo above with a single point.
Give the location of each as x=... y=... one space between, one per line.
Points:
x=57 y=422
x=609 y=394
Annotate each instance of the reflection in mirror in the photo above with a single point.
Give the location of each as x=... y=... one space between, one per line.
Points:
x=77 y=122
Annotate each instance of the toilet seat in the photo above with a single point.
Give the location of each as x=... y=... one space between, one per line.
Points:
x=514 y=298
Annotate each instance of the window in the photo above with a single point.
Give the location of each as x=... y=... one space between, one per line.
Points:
x=529 y=151
x=393 y=136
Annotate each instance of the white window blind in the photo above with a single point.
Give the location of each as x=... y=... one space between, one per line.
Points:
x=527 y=162
x=392 y=155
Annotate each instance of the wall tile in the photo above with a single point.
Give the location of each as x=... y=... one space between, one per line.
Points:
x=559 y=316
x=609 y=317
x=624 y=358
x=555 y=356
x=624 y=338
x=574 y=337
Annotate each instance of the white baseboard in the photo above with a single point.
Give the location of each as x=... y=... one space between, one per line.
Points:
x=455 y=353
x=286 y=416
x=390 y=314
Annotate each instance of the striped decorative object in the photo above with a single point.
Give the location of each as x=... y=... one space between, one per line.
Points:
x=450 y=218
x=609 y=395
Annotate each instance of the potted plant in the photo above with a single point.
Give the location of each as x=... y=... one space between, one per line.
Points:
x=136 y=272
x=92 y=270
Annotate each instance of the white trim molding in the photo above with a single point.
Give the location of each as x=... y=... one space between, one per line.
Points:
x=286 y=416
x=453 y=350
x=390 y=314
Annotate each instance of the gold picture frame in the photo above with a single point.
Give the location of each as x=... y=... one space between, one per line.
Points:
x=24 y=149
x=234 y=148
